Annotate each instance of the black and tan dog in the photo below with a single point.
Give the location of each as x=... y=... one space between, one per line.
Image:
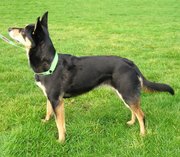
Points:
x=63 y=76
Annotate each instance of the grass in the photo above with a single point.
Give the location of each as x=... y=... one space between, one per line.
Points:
x=146 y=32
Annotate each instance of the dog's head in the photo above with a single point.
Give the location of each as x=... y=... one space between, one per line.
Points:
x=33 y=34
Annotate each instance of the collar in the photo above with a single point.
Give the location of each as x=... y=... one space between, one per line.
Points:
x=52 y=68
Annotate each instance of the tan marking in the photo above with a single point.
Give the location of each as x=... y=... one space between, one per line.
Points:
x=27 y=54
x=49 y=111
x=133 y=118
x=140 y=116
x=147 y=90
x=28 y=42
x=14 y=32
x=16 y=35
x=60 y=121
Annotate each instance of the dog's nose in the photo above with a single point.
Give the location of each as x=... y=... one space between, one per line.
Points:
x=9 y=29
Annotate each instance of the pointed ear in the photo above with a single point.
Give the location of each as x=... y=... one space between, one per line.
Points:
x=37 y=25
x=44 y=20
x=38 y=31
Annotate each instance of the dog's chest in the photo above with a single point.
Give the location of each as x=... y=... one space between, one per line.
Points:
x=40 y=85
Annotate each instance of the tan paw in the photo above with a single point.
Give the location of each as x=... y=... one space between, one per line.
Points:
x=142 y=133
x=61 y=140
x=44 y=120
x=131 y=122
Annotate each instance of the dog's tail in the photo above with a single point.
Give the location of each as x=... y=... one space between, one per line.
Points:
x=156 y=87
x=149 y=86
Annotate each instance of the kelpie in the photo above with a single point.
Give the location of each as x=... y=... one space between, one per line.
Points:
x=63 y=76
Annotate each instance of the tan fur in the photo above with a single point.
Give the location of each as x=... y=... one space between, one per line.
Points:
x=146 y=90
x=133 y=118
x=49 y=111
x=136 y=109
x=16 y=35
x=60 y=121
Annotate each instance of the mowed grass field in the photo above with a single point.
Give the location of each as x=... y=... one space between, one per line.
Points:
x=147 y=32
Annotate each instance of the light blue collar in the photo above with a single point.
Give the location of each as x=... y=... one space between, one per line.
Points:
x=52 y=68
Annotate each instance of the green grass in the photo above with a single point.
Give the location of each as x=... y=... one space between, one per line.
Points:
x=147 y=32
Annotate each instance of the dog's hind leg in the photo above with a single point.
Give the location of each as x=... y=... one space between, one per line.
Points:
x=128 y=86
x=133 y=116
x=135 y=107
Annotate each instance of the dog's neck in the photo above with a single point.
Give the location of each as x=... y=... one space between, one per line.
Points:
x=40 y=58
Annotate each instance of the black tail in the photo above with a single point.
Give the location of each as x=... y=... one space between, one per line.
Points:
x=159 y=87
x=148 y=85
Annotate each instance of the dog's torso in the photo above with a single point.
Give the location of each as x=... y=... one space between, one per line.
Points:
x=77 y=75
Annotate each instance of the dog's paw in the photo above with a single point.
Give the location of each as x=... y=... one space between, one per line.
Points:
x=142 y=134
x=61 y=141
x=131 y=122
x=44 y=120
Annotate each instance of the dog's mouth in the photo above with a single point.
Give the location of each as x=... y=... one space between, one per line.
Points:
x=16 y=41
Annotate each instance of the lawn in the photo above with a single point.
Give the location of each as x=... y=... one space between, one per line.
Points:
x=147 y=32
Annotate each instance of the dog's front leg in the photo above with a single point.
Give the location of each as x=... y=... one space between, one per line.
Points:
x=60 y=120
x=49 y=111
x=58 y=107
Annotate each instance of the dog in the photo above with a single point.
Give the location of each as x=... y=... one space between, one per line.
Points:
x=63 y=76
